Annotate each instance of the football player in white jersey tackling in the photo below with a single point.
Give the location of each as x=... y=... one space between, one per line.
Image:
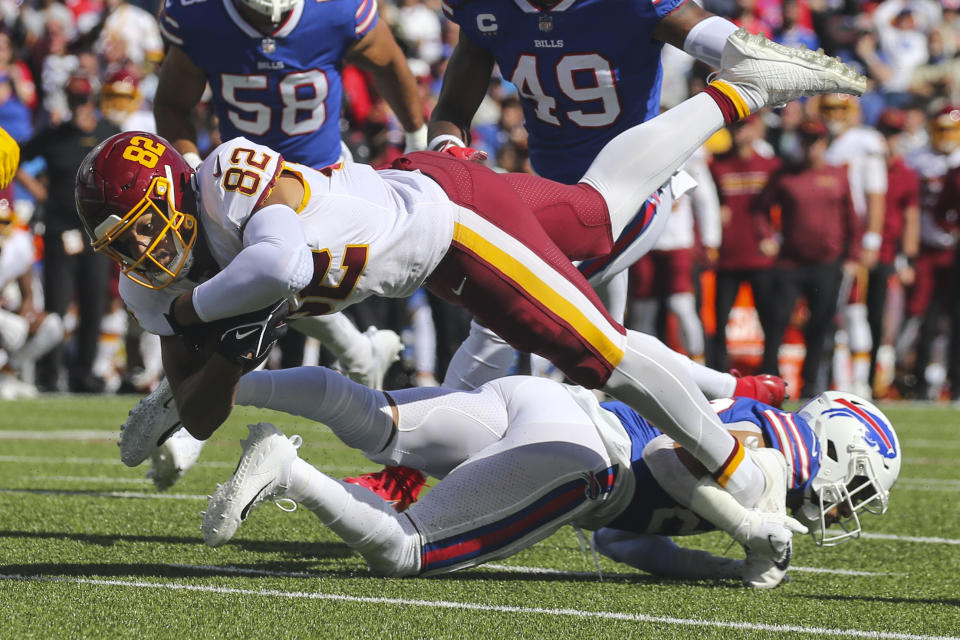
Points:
x=519 y=457
x=274 y=72
x=249 y=230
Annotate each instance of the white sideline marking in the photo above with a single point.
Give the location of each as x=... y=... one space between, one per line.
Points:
x=471 y=606
x=890 y=536
x=71 y=434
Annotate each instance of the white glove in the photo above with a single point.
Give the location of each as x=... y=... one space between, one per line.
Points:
x=768 y=540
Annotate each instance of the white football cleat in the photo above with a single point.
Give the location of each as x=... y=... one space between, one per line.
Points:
x=263 y=469
x=765 y=73
x=386 y=347
x=766 y=531
x=171 y=459
x=149 y=424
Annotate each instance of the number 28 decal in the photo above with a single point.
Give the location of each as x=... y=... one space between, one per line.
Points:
x=144 y=151
x=315 y=297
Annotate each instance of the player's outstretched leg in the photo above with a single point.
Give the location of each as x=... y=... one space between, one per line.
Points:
x=263 y=473
x=270 y=469
x=755 y=73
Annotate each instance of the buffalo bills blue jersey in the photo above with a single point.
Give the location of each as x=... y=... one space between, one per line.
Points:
x=283 y=90
x=586 y=70
x=652 y=510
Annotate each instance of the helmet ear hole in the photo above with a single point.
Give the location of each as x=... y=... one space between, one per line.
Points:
x=832 y=451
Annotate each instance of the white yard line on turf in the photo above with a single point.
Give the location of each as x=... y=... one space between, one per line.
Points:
x=116 y=461
x=472 y=606
x=890 y=536
x=108 y=494
x=71 y=434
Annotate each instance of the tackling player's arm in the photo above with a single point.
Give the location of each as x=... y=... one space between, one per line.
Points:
x=249 y=274
x=465 y=84
x=378 y=53
x=698 y=32
x=181 y=84
x=675 y=27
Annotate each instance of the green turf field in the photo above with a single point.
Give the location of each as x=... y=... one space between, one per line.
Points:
x=88 y=549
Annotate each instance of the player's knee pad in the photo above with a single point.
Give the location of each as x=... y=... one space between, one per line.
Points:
x=393 y=550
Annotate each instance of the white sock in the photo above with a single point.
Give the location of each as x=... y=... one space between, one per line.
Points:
x=714 y=384
x=636 y=162
x=387 y=540
x=361 y=417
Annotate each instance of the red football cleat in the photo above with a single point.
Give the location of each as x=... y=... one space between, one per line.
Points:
x=399 y=486
x=766 y=388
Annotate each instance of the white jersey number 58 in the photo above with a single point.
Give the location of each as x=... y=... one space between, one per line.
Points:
x=302 y=96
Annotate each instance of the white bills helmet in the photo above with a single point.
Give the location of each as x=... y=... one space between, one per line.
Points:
x=859 y=463
x=273 y=9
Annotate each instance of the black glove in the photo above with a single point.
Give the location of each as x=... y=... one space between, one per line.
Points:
x=247 y=339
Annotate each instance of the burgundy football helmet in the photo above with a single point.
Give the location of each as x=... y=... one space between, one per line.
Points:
x=131 y=177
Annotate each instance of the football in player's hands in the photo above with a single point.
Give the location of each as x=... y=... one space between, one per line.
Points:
x=247 y=339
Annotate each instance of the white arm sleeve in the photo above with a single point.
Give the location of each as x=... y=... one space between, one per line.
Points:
x=274 y=263
x=707 y=38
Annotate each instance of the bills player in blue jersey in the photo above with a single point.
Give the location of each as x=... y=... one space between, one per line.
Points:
x=519 y=457
x=586 y=71
x=274 y=71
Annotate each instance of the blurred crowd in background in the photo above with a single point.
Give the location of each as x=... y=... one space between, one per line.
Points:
x=760 y=269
